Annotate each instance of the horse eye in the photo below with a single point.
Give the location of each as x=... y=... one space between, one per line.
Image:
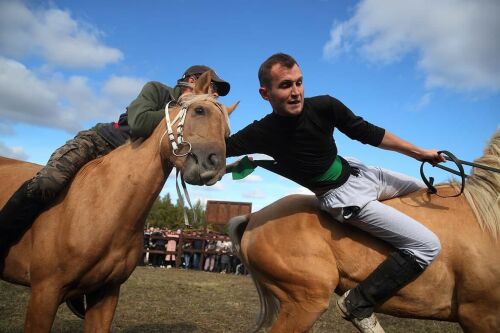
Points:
x=199 y=110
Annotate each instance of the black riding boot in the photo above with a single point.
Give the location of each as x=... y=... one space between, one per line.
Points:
x=399 y=269
x=16 y=216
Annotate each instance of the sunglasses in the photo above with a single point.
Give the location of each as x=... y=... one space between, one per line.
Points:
x=213 y=85
x=215 y=90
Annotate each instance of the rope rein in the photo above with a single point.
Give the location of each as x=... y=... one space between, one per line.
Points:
x=450 y=157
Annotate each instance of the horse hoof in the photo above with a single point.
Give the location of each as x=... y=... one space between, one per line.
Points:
x=78 y=306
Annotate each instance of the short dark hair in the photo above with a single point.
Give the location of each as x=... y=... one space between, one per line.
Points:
x=265 y=69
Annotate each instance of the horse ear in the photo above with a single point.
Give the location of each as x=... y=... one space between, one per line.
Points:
x=203 y=83
x=231 y=107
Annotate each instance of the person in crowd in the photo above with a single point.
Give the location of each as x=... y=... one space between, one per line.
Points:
x=187 y=248
x=225 y=259
x=219 y=248
x=145 y=246
x=235 y=263
x=172 y=239
x=197 y=248
x=158 y=246
x=210 y=255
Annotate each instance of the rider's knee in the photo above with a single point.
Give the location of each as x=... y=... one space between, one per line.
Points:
x=427 y=253
x=434 y=248
x=43 y=190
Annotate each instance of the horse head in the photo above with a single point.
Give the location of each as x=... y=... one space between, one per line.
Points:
x=201 y=156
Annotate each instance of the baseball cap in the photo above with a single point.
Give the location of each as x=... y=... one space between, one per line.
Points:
x=223 y=87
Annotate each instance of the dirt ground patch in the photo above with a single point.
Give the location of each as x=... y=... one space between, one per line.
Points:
x=180 y=301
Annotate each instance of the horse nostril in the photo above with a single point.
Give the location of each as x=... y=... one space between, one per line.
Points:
x=213 y=159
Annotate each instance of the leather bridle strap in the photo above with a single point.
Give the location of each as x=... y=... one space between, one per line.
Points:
x=181 y=199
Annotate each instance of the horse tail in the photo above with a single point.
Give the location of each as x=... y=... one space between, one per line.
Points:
x=269 y=304
x=236 y=227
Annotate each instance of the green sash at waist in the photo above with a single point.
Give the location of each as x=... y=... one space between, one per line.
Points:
x=332 y=173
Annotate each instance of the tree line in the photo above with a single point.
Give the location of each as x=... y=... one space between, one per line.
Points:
x=165 y=214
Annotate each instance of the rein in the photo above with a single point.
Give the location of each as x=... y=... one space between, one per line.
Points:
x=450 y=157
x=181 y=118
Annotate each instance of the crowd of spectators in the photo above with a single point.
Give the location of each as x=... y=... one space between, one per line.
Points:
x=198 y=250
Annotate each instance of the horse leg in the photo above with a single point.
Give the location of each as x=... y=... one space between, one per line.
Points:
x=101 y=306
x=303 y=300
x=479 y=318
x=42 y=307
x=298 y=317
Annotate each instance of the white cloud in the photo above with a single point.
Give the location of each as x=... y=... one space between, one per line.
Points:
x=47 y=98
x=122 y=87
x=456 y=41
x=26 y=98
x=59 y=102
x=13 y=152
x=54 y=35
x=252 y=179
x=424 y=101
x=254 y=194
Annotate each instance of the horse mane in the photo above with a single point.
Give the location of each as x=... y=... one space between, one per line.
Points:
x=188 y=99
x=482 y=188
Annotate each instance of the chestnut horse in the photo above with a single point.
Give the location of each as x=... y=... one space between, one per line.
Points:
x=90 y=240
x=297 y=256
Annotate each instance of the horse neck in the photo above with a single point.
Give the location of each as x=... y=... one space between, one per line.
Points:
x=152 y=158
x=138 y=172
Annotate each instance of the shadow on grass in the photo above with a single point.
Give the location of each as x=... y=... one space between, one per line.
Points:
x=163 y=328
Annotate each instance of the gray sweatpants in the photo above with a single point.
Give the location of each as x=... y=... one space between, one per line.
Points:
x=363 y=192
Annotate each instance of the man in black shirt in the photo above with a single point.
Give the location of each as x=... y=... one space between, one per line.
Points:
x=298 y=134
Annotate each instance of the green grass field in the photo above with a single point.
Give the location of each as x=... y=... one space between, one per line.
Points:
x=179 y=301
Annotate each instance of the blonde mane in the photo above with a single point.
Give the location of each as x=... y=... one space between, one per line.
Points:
x=482 y=188
x=188 y=99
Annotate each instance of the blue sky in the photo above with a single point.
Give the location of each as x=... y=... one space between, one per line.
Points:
x=428 y=71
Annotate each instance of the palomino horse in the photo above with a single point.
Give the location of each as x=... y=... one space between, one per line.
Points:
x=298 y=256
x=90 y=240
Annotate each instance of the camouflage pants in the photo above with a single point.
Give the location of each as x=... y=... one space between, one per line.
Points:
x=64 y=163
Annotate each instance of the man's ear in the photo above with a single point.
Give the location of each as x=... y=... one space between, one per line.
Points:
x=203 y=83
x=264 y=93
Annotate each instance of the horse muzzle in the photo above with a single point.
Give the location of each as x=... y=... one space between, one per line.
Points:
x=204 y=167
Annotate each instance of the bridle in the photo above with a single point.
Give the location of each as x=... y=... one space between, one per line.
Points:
x=181 y=117
x=177 y=144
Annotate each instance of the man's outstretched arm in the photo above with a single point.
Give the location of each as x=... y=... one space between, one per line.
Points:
x=392 y=142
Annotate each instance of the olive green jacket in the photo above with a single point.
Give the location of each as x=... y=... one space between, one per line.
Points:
x=148 y=109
